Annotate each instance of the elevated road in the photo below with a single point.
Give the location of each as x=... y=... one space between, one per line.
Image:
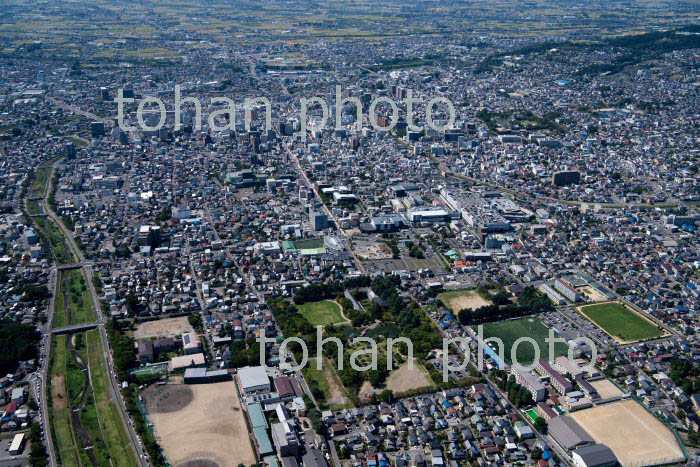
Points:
x=74 y=328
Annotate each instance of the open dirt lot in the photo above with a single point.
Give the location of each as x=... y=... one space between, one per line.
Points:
x=634 y=435
x=606 y=389
x=400 y=380
x=168 y=327
x=199 y=425
x=457 y=300
x=403 y=379
x=372 y=250
x=593 y=294
x=58 y=392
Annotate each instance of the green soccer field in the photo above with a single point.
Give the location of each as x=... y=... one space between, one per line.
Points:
x=321 y=313
x=529 y=326
x=621 y=322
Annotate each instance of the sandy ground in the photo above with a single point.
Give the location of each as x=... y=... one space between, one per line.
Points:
x=200 y=425
x=634 y=435
x=403 y=379
x=606 y=389
x=168 y=327
x=58 y=392
x=337 y=392
x=372 y=251
x=400 y=380
x=472 y=300
x=593 y=294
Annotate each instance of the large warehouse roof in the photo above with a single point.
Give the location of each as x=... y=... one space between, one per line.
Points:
x=252 y=377
x=568 y=433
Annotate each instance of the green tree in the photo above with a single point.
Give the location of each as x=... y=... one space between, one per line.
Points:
x=541 y=425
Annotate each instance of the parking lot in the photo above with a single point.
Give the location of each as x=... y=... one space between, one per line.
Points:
x=6 y=460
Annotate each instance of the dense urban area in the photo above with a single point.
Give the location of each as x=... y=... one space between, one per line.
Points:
x=411 y=187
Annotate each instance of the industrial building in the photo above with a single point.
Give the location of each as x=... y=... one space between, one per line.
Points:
x=597 y=455
x=253 y=379
x=568 y=434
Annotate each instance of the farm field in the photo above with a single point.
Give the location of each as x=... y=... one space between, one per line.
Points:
x=215 y=432
x=620 y=322
x=322 y=313
x=457 y=300
x=529 y=326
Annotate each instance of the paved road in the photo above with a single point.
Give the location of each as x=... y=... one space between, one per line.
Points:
x=78 y=111
x=73 y=328
x=114 y=384
x=328 y=212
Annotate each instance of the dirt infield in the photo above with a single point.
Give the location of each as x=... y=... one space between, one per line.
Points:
x=606 y=389
x=168 y=327
x=199 y=425
x=634 y=435
x=177 y=397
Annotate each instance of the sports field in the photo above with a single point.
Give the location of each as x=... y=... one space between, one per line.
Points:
x=634 y=435
x=199 y=424
x=529 y=326
x=321 y=313
x=620 y=322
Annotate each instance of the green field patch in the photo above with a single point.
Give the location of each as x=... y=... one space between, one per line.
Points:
x=59 y=409
x=512 y=330
x=620 y=322
x=115 y=437
x=325 y=385
x=321 y=313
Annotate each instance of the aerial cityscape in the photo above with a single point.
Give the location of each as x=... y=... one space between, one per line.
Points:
x=349 y=233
